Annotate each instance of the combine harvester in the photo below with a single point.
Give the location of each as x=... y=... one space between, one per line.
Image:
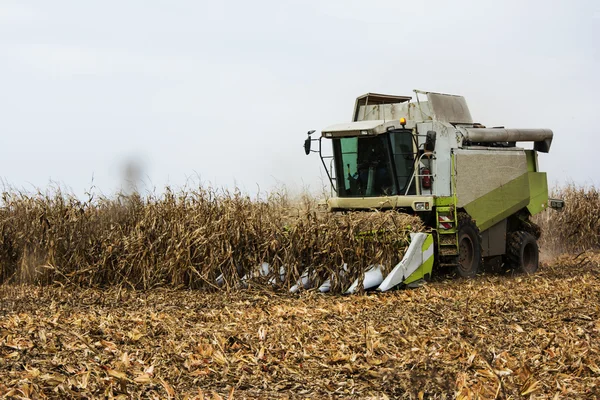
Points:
x=472 y=186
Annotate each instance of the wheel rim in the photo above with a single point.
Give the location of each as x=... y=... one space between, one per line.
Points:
x=465 y=253
x=529 y=258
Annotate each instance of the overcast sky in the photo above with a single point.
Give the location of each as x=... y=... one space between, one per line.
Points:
x=226 y=90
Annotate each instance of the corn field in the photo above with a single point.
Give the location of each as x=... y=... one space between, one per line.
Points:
x=73 y=323
x=575 y=229
x=188 y=239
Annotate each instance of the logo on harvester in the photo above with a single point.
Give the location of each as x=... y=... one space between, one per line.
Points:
x=445 y=222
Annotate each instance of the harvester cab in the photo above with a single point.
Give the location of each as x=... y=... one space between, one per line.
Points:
x=472 y=186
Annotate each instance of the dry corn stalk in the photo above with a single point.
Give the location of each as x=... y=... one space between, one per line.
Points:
x=577 y=227
x=188 y=239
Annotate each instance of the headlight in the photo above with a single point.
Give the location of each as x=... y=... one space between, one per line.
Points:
x=556 y=204
x=422 y=206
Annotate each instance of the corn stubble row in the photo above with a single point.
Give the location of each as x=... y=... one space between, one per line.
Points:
x=188 y=239
x=493 y=337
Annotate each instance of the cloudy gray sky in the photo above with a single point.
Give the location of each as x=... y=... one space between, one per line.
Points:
x=225 y=91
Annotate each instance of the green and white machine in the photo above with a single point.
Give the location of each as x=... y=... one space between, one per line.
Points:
x=471 y=185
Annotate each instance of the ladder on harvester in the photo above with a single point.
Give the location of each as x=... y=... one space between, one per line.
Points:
x=447 y=229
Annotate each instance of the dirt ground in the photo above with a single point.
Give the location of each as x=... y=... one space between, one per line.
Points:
x=497 y=336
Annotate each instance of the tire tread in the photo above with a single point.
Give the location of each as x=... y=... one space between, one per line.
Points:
x=515 y=245
x=464 y=220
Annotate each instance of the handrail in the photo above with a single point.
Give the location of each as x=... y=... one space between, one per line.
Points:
x=416 y=174
x=322 y=157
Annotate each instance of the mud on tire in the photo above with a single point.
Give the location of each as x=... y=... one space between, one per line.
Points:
x=522 y=253
x=532 y=228
x=469 y=247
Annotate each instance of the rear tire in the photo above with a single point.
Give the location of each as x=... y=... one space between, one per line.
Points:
x=469 y=247
x=522 y=252
x=532 y=228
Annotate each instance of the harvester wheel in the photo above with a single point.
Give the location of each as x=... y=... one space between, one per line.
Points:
x=469 y=247
x=523 y=253
x=532 y=228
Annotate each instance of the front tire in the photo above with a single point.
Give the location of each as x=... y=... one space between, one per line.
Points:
x=469 y=247
x=523 y=253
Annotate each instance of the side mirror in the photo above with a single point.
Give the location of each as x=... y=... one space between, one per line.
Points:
x=430 y=141
x=307 y=146
x=307 y=142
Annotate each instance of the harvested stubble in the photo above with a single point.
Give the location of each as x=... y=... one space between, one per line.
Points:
x=188 y=239
x=493 y=337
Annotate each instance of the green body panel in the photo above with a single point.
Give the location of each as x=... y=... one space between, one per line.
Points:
x=531 y=160
x=538 y=189
x=443 y=201
x=427 y=266
x=500 y=203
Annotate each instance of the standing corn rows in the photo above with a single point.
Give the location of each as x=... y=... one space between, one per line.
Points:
x=577 y=227
x=188 y=238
